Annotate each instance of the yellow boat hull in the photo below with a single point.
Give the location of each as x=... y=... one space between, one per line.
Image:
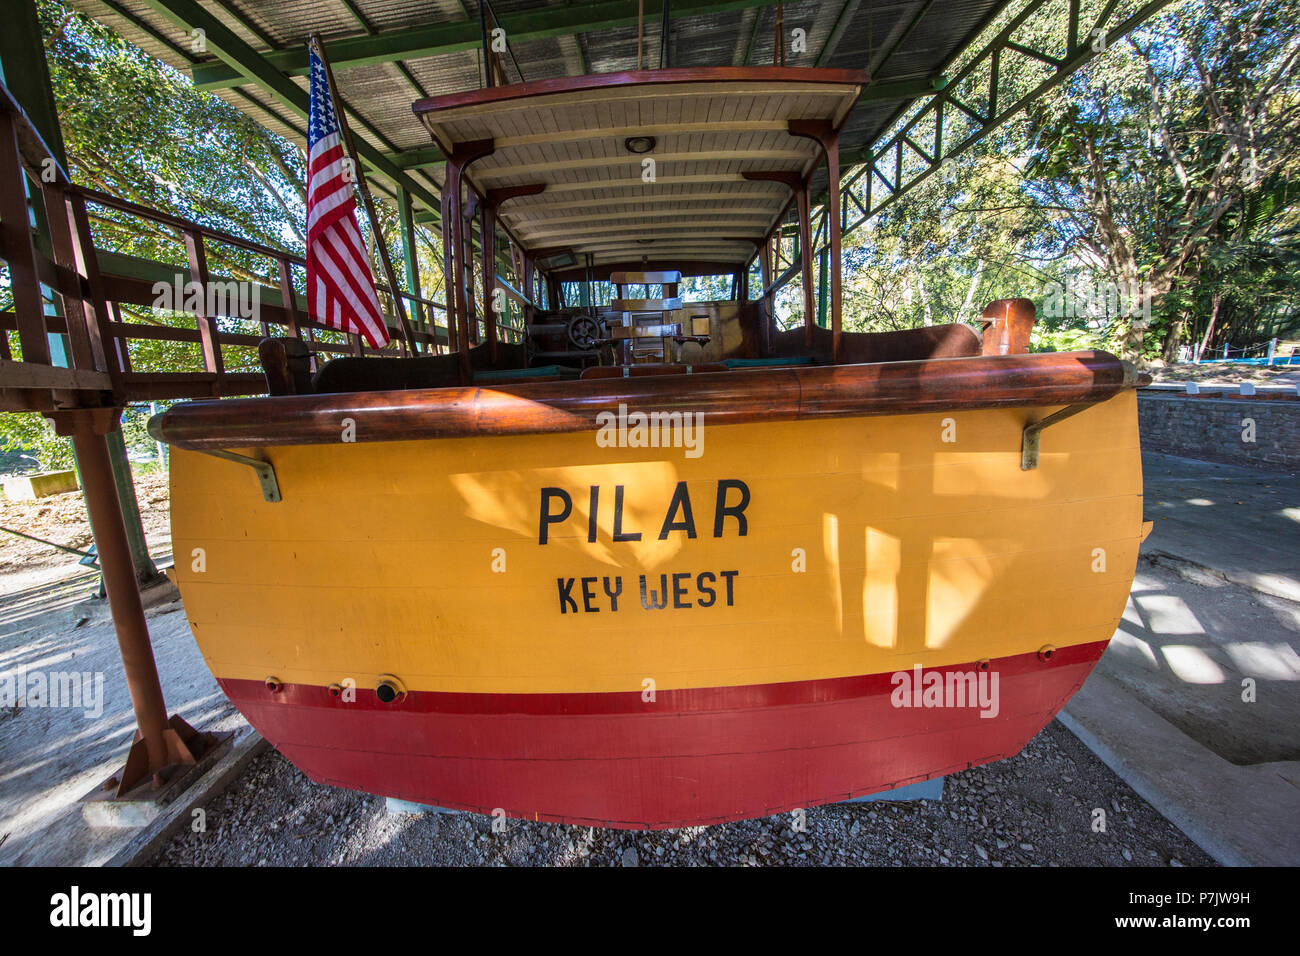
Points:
x=871 y=547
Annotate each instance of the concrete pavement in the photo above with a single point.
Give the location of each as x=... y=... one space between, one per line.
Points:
x=1196 y=703
x=51 y=756
x=1241 y=524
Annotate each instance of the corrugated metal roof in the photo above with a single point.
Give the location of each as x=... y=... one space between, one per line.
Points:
x=380 y=94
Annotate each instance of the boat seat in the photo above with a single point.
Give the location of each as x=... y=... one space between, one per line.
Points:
x=376 y=373
x=547 y=373
x=636 y=371
x=769 y=362
x=286 y=362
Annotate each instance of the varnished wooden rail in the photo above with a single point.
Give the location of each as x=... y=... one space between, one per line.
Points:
x=196 y=237
x=726 y=398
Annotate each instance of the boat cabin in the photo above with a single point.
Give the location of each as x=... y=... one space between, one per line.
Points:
x=640 y=181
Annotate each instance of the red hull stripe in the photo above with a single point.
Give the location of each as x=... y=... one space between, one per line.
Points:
x=691 y=757
x=701 y=699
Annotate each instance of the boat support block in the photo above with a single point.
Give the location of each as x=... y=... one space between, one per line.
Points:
x=265 y=473
x=1029 y=440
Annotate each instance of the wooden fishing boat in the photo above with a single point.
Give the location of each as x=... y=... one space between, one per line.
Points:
x=663 y=563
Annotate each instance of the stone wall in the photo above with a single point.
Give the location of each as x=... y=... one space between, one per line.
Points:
x=31 y=487
x=1220 y=429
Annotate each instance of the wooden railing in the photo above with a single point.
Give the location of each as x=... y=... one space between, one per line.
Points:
x=70 y=297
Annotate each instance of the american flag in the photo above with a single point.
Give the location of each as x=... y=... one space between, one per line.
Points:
x=340 y=285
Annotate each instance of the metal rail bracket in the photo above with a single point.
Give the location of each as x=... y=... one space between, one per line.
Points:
x=1029 y=440
x=265 y=473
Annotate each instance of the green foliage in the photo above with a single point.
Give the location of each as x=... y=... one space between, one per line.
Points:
x=1166 y=168
x=33 y=435
x=954 y=243
x=1064 y=339
x=1174 y=161
x=137 y=129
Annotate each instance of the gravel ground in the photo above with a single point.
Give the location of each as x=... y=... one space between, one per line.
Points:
x=1033 y=809
x=1226 y=373
x=62 y=519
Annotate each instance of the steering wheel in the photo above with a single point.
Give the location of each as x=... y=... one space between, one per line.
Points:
x=584 y=332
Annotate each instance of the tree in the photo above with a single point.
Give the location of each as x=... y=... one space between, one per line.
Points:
x=1166 y=167
x=1156 y=160
x=135 y=128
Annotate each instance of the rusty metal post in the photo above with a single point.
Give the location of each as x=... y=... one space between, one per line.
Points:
x=458 y=263
x=146 y=572
x=88 y=431
x=159 y=741
x=831 y=144
x=828 y=137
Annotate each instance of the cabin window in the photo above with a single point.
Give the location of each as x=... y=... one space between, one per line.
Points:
x=705 y=288
x=599 y=294
x=755 y=280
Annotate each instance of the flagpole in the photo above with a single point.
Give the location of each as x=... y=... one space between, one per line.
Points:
x=315 y=41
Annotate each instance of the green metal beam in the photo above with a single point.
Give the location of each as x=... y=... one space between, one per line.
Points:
x=753 y=36
x=902 y=89
x=454 y=37
x=823 y=284
x=837 y=31
x=367 y=26
x=582 y=57
x=181 y=52
x=254 y=68
x=357 y=15
x=252 y=27
x=249 y=25
x=898 y=42
x=1074 y=59
x=417 y=158
x=410 y=258
x=584 y=67
x=23 y=67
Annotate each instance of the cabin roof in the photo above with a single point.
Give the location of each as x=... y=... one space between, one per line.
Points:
x=714 y=132
x=388 y=53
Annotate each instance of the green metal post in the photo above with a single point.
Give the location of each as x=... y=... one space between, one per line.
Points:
x=146 y=572
x=410 y=260
x=22 y=64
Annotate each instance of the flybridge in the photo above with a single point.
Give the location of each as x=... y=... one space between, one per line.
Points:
x=707 y=195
